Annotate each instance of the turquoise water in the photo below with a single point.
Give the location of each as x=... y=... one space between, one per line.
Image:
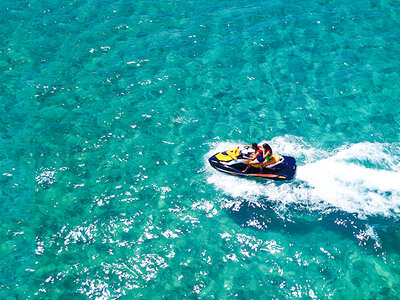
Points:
x=110 y=109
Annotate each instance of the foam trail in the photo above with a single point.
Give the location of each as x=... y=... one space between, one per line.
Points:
x=361 y=178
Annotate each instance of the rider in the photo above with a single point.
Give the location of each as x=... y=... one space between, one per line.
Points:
x=267 y=154
x=260 y=155
x=256 y=157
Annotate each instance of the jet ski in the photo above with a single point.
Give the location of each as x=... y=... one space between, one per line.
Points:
x=233 y=162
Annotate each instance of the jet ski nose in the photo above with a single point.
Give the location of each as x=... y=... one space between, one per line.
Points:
x=212 y=160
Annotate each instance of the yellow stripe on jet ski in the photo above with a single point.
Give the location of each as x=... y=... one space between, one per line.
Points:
x=231 y=155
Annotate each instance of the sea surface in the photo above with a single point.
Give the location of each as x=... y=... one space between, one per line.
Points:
x=109 y=111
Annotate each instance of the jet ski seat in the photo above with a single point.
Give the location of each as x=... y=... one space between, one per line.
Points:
x=272 y=162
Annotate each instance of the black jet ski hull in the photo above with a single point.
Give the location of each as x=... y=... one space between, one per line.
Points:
x=286 y=170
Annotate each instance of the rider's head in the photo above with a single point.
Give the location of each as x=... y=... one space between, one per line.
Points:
x=254 y=146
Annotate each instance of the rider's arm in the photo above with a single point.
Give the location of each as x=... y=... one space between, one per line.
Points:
x=251 y=157
x=254 y=156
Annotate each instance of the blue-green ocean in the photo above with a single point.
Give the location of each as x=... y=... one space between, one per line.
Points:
x=109 y=111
